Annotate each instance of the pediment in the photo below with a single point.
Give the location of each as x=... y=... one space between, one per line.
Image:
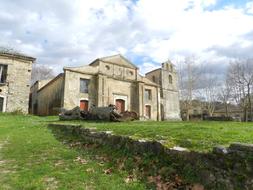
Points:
x=118 y=60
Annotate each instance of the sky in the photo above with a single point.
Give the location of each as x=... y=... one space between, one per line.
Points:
x=63 y=33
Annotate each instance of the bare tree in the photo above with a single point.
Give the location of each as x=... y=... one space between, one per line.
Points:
x=188 y=76
x=240 y=77
x=224 y=95
x=208 y=85
x=41 y=72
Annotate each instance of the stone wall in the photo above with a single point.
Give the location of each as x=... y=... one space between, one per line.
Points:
x=223 y=168
x=16 y=88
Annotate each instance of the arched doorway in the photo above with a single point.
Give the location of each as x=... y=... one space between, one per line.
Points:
x=84 y=105
x=120 y=105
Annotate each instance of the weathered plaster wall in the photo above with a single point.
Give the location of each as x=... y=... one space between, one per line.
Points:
x=111 y=88
x=117 y=71
x=17 y=88
x=72 y=94
x=153 y=102
x=50 y=97
x=33 y=102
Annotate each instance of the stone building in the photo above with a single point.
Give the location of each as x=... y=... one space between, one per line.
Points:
x=15 y=77
x=113 y=80
x=33 y=100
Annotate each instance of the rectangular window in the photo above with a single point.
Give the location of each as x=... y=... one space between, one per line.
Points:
x=84 y=83
x=148 y=94
x=3 y=73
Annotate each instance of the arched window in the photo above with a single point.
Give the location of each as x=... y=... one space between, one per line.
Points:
x=170 y=79
x=107 y=67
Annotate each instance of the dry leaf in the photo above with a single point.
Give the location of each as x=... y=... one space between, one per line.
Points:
x=108 y=171
x=81 y=160
x=129 y=179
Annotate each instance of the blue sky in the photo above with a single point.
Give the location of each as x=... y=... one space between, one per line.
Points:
x=148 y=32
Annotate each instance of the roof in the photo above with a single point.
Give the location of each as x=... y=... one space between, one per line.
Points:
x=117 y=60
x=43 y=81
x=153 y=71
x=147 y=81
x=86 y=69
x=17 y=56
x=51 y=81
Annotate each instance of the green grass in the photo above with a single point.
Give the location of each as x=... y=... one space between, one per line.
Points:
x=198 y=136
x=32 y=158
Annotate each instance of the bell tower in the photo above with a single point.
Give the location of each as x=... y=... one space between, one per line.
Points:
x=169 y=92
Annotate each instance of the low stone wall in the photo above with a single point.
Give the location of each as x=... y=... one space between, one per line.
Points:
x=223 y=168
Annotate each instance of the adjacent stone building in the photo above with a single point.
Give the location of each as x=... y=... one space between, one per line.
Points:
x=15 y=77
x=113 y=80
x=33 y=100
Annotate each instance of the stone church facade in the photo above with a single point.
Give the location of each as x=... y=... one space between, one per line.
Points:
x=15 y=77
x=113 y=80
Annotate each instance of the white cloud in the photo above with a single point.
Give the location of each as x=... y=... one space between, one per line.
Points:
x=61 y=33
x=147 y=66
x=249 y=7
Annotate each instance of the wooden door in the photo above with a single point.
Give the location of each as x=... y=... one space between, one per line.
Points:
x=120 y=105
x=148 y=111
x=84 y=105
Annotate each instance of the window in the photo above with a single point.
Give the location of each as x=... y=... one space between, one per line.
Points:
x=170 y=79
x=3 y=73
x=107 y=67
x=171 y=68
x=153 y=78
x=148 y=94
x=84 y=83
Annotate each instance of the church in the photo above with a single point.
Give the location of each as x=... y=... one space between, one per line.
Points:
x=110 y=80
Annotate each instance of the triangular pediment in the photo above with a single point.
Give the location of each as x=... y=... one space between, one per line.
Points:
x=118 y=60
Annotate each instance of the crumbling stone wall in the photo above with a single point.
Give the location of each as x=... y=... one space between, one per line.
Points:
x=223 y=168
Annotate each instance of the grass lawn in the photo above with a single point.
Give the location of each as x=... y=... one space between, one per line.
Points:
x=198 y=136
x=31 y=158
